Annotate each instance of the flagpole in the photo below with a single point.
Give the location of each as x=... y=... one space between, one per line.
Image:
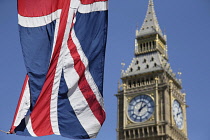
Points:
x=5 y=132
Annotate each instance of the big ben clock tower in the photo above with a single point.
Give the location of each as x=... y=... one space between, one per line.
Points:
x=151 y=105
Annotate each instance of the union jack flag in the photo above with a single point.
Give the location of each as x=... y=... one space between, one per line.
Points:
x=63 y=44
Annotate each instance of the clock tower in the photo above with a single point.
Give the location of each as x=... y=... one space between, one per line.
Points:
x=151 y=104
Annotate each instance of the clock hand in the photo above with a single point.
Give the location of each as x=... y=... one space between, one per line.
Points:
x=142 y=107
x=178 y=114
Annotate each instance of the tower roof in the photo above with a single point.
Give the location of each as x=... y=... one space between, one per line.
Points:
x=148 y=63
x=150 y=24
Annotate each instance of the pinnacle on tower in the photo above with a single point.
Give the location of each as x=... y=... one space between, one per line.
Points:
x=150 y=24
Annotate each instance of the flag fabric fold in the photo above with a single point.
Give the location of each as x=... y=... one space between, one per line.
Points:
x=63 y=44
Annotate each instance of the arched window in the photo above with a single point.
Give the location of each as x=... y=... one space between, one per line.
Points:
x=153 y=43
x=155 y=65
x=129 y=84
x=138 y=83
x=137 y=62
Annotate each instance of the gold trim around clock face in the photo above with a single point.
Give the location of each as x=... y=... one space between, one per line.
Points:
x=140 y=108
x=129 y=97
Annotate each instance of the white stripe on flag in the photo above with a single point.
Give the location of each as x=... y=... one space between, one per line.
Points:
x=75 y=4
x=83 y=112
x=38 y=21
x=96 y=6
x=55 y=88
x=78 y=102
x=55 y=36
x=24 y=106
x=29 y=126
x=56 y=82
x=88 y=76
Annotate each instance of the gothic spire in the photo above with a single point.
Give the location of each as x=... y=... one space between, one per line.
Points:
x=150 y=24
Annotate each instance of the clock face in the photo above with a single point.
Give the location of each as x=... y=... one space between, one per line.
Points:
x=141 y=108
x=177 y=114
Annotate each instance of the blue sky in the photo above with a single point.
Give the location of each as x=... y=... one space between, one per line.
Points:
x=186 y=23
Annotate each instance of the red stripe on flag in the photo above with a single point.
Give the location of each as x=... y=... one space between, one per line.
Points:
x=40 y=116
x=83 y=84
x=19 y=102
x=91 y=1
x=36 y=8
